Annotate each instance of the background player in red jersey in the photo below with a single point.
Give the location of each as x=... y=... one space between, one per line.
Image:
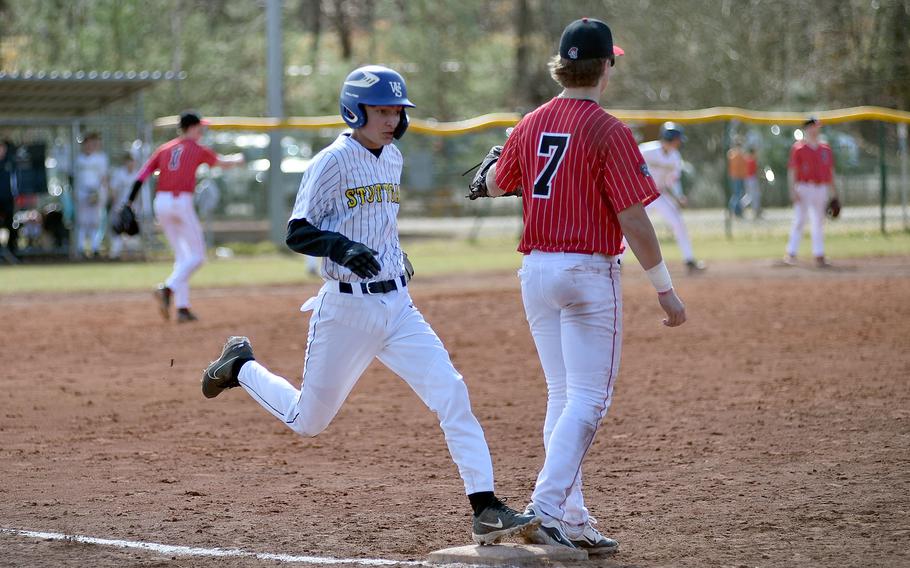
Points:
x=810 y=177
x=585 y=185
x=177 y=162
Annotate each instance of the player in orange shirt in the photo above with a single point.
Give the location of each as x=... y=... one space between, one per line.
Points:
x=736 y=169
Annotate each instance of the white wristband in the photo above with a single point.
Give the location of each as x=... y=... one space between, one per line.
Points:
x=660 y=277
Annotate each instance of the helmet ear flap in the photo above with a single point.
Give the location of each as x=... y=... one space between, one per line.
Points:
x=402 y=127
x=355 y=118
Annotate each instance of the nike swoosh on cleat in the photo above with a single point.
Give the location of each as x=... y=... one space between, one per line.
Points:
x=497 y=525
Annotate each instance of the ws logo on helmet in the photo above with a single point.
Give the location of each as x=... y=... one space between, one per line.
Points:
x=373 y=85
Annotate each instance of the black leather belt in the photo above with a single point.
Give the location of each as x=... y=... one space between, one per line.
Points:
x=381 y=287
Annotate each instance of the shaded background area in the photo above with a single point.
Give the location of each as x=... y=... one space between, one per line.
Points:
x=462 y=60
x=466 y=58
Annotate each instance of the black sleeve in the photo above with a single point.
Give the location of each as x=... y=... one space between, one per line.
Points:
x=135 y=191
x=307 y=239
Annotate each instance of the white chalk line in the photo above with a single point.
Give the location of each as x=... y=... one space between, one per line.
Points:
x=214 y=552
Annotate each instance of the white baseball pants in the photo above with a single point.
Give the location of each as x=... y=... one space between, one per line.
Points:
x=88 y=227
x=573 y=303
x=813 y=201
x=673 y=217
x=181 y=226
x=346 y=333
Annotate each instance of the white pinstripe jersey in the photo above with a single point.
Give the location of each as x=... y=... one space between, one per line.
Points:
x=348 y=190
x=665 y=166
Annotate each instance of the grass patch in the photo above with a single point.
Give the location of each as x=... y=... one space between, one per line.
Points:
x=840 y=245
x=430 y=257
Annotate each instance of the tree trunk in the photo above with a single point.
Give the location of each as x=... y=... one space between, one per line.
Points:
x=523 y=22
x=310 y=16
x=342 y=25
x=177 y=53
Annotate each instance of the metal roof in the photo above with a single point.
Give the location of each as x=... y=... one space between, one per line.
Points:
x=71 y=94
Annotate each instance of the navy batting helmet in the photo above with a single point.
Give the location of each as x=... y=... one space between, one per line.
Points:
x=376 y=86
x=672 y=131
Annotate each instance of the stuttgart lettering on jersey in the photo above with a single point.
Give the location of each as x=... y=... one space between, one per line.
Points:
x=346 y=189
x=376 y=193
x=583 y=166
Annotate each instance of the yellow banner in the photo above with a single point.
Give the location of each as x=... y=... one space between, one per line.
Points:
x=503 y=120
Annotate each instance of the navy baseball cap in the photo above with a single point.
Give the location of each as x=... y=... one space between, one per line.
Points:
x=190 y=118
x=588 y=38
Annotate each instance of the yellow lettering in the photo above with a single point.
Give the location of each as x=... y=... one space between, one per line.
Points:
x=352 y=201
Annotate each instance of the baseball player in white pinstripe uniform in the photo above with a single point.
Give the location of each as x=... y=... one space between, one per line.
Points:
x=346 y=212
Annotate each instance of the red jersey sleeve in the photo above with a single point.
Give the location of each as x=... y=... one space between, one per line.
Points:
x=626 y=176
x=792 y=162
x=150 y=167
x=208 y=156
x=508 y=168
x=830 y=158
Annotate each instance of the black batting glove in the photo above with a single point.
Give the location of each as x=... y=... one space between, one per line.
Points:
x=361 y=260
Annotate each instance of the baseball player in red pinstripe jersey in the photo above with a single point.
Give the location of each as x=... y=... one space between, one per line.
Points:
x=584 y=185
x=177 y=162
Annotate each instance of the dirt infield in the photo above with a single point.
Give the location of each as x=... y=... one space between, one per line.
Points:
x=772 y=430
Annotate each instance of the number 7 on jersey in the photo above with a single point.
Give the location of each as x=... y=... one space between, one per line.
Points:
x=553 y=146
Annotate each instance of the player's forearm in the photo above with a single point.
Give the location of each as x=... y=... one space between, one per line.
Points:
x=492 y=189
x=304 y=238
x=230 y=161
x=639 y=233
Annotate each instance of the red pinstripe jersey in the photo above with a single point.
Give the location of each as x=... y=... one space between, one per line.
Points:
x=812 y=165
x=177 y=161
x=577 y=166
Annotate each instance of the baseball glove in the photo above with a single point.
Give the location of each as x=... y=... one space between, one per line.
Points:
x=125 y=221
x=478 y=186
x=833 y=209
x=408 y=267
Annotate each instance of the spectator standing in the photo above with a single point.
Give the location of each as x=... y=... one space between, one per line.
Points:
x=122 y=178
x=736 y=169
x=8 y=196
x=91 y=186
x=753 y=190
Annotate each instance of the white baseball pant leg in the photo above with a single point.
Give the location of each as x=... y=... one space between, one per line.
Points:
x=116 y=245
x=183 y=230
x=754 y=192
x=671 y=213
x=813 y=200
x=573 y=304
x=346 y=333
x=88 y=221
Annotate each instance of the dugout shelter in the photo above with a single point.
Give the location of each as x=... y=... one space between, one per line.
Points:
x=46 y=113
